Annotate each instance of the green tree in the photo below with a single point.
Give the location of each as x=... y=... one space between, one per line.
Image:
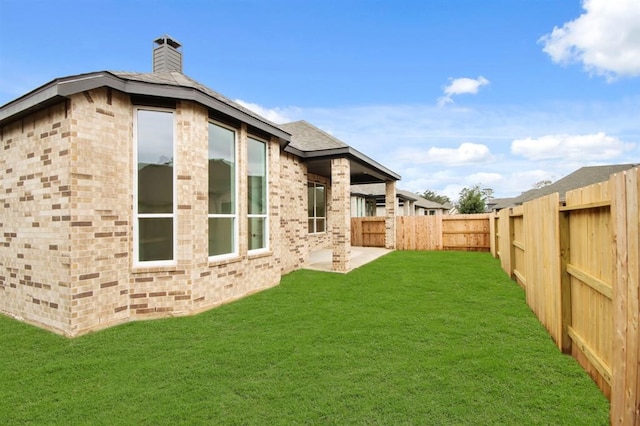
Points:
x=472 y=200
x=434 y=196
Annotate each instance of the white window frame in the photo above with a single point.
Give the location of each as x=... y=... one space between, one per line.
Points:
x=267 y=236
x=315 y=217
x=137 y=216
x=236 y=233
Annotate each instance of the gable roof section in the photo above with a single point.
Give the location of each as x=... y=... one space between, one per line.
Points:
x=318 y=147
x=173 y=85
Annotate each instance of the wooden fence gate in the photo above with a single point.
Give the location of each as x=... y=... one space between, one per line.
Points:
x=368 y=231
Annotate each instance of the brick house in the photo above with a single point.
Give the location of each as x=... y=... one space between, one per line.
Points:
x=130 y=196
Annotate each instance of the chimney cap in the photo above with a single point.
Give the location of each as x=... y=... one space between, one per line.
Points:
x=167 y=39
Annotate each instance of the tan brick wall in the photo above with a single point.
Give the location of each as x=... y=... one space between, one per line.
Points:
x=294 y=240
x=66 y=247
x=35 y=200
x=101 y=204
x=340 y=211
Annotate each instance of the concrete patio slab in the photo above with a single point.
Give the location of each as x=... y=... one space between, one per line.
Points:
x=320 y=260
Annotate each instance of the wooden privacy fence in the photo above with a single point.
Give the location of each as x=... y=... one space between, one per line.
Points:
x=469 y=232
x=579 y=266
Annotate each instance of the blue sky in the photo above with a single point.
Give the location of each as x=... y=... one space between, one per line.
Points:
x=449 y=94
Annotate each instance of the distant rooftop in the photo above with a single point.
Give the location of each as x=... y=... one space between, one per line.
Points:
x=584 y=176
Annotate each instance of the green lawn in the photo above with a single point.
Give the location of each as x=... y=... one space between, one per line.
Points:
x=412 y=338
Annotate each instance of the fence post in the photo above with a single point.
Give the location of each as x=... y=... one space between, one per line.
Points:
x=492 y=234
x=565 y=281
x=512 y=248
x=625 y=383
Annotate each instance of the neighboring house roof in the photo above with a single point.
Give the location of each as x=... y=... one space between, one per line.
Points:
x=319 y=147
x=172 y=85
x=378 y=190
x=499 y=203
x=584 y=176
x=429 y=204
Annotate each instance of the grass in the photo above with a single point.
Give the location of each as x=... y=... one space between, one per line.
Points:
x=412 y=338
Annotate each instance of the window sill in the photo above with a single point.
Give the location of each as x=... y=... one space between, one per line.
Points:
x=224 y=260
x=145 y=269
x=259 y=254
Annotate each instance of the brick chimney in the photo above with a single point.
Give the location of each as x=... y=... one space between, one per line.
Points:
x=167 y=54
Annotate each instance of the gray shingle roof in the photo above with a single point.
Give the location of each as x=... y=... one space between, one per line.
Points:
x=175 y=78
x=307 y=137
x=584 y=176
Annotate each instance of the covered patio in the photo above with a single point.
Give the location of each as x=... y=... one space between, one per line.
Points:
x=327 y=157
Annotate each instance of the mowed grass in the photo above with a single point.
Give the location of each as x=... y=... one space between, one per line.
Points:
x=412 y=338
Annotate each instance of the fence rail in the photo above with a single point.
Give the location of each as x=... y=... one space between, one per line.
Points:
x=580 y=267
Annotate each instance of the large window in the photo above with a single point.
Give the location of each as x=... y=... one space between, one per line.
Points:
x=257 y=194
x=316 y=203
x=222 y=191
x=154 y=205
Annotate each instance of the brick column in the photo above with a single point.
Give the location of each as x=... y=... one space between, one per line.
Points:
x=390 y=215
x=340 y=213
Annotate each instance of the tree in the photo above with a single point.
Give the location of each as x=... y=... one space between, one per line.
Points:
x=488 y=193
x=434 y=196
x=472 y=200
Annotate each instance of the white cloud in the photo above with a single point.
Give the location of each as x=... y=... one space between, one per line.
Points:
x=605 y=38
x=276 y=115
x=486 y=178
x=466 y=153
x=596 y=146
x=461 y=86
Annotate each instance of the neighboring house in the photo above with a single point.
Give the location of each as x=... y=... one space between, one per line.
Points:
x=430 y=208
x=584 y=176
x=138 y=195
x=369 y=200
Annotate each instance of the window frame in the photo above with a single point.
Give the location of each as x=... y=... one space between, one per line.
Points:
x=265 y=216
x=236 y=234
x=136 y=215
x=315 y=217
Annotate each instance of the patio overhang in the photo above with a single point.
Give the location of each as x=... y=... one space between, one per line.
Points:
x=363 y=170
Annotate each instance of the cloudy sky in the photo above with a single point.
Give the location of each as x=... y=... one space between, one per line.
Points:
x=449 y=94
